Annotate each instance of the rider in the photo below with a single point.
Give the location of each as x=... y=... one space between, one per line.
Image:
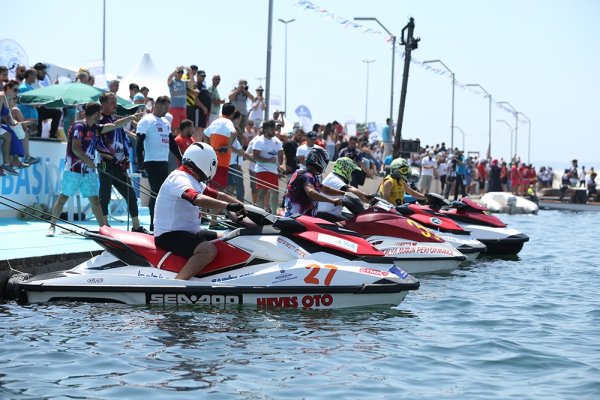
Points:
x=394 y=185
x=177 y=220
x=304 y=189
x=339 y=179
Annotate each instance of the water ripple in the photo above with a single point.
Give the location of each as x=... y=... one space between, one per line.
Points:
x=524 y=327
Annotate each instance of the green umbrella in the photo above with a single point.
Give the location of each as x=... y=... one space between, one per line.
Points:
x=70 y=94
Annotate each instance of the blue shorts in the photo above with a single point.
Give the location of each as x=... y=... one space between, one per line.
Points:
x=86 y=184
x=29 y=112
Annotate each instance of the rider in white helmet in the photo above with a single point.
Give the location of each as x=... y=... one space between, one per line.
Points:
x=177 y=217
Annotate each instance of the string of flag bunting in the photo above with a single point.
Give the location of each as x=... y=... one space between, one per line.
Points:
x=350 y=23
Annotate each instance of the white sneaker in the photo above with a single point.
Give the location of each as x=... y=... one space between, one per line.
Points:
x=51 y=231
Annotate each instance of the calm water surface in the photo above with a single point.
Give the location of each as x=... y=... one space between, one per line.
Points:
x=526 y=328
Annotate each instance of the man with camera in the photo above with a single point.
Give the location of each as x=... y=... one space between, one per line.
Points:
x=258 y=107
x=178 y=90
x=239 y=98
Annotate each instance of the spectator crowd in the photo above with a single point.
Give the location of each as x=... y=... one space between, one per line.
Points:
x=106 y=148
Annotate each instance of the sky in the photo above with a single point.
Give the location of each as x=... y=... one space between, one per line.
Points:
x=541 y=56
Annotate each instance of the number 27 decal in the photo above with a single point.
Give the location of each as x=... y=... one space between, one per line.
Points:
x=312 y=279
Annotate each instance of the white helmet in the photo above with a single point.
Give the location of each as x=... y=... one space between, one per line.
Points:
x=202 y=159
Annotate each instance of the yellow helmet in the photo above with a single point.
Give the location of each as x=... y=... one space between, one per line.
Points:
x=344 y=166
x=399 y=169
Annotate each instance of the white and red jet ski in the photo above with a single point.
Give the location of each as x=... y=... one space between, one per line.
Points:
x=474 y=218
x=411 y=246
x=294 y=263
x=445 y=228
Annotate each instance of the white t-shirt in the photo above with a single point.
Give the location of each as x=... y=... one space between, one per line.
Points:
x=250 y=152
x=428 y=165
x=333 y=181
x=220 y=126
x=268 y=148
x=303 y=150
x=235 y=158
x=443 y=168
x=169 y=118
x=156 y=143
x=171 y=212
x=257 y=111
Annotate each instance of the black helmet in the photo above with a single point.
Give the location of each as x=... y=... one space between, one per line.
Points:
x=317 y=157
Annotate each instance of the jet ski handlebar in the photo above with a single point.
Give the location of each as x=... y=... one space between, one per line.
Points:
x=435 y=200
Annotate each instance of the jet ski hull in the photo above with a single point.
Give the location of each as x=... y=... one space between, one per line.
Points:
x=292 y=284
x=499 y=241
x=419 y=257
x=466 y=244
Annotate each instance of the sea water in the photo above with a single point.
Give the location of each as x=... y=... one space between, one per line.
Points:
x=526 y=327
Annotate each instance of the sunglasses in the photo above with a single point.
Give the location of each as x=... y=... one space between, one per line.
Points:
x=203 y=76
x=180 y=72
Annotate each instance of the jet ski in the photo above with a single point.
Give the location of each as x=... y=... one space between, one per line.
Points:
x=409 y=245
x=293 y=263
x=474 y=218
x=413 y=247
x=445 y=228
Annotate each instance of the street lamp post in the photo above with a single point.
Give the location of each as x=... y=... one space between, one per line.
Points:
x=510 y=130
x=453 y=85
x=463 y=136
x=367 y=94
x=528 y=137
x=489 y=96
x=269 y=48
x=285 y=63
x=393 y=63
x=516 y=114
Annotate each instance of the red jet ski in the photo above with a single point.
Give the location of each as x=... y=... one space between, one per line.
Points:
x=474 y=218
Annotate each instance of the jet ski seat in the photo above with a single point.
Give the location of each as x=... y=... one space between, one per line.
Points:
x=289 y=225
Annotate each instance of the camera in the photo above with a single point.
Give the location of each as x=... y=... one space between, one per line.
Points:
x=246 y=87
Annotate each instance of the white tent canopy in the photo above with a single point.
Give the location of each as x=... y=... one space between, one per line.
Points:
x=145 y=74
x=61 y=73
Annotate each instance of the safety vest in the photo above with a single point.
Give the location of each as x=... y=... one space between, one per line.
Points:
x=397 y=193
